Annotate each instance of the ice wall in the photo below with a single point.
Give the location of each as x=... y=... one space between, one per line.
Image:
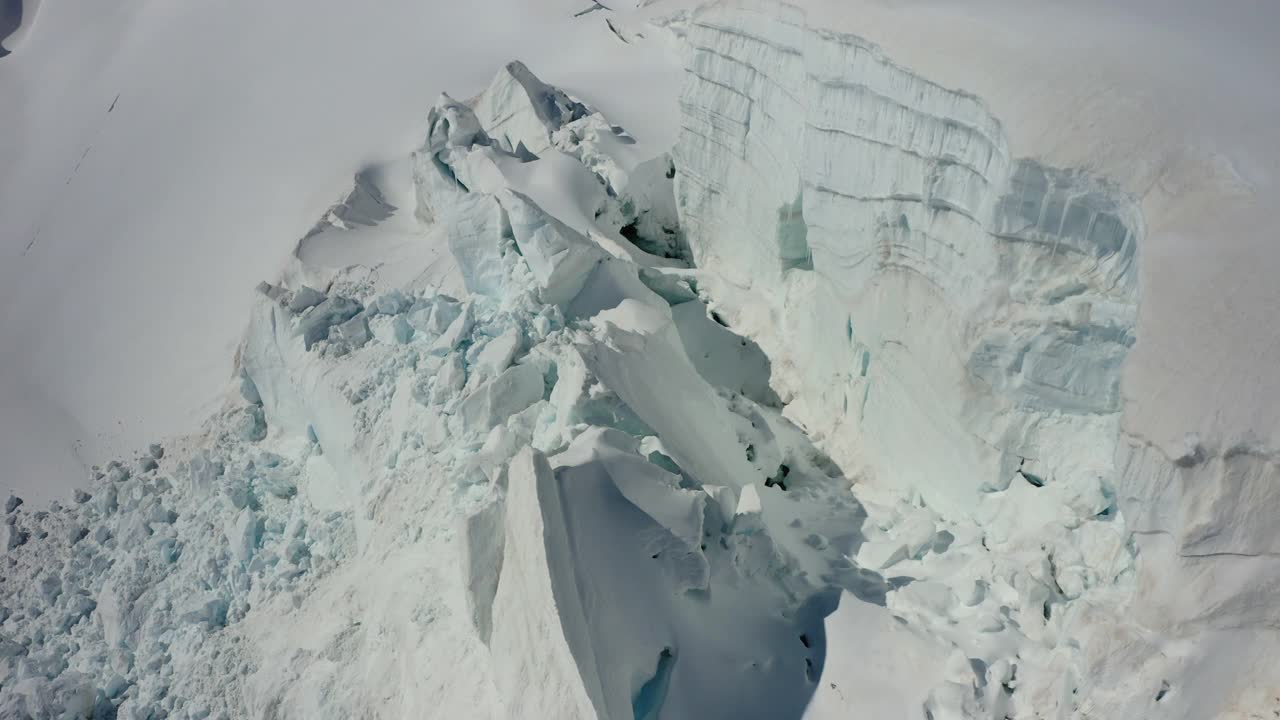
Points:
x=950 y=320
x=925 y=295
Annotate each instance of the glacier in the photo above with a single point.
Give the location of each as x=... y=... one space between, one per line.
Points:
x=817 y=415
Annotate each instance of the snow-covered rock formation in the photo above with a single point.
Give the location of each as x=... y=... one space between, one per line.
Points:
x=818 y=416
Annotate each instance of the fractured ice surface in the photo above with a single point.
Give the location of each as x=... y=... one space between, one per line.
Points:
x=521 y=503
x=874 y=222
x=862 y=460
x=951 y=320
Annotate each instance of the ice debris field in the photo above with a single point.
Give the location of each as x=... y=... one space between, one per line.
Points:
x=814 y=415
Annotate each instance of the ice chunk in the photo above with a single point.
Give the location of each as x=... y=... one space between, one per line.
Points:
x=296 y=552
x=452 y=130
x=498 y=353
x=518 y=109
x=203 y=473
x=648 y=487
x=250 y=423
x=353 y=333
x=452 y=124
x=476 y=226
x=433 y=316
x=273 y=292
x=483 y=534
x=314 y=325
x=391 y=330
x=278 y=482
x=725 y=500
x=10 y=538
x=558 y=255
x=116 y=615
x=248 y=389
x=493 y=402
x=243 y=534
x=105 y=500
x=535 y=623
x=391 y=303
x=748 y=501
x=458 y=331
x=208 y=608
x=305 y=297
x=449 y=380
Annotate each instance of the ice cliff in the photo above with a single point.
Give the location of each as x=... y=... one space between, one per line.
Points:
x=871 y=228
x=817 y=416
x=950 y=322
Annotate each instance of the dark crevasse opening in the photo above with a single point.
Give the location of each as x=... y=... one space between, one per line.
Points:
x=793 y=236
x=648 y=701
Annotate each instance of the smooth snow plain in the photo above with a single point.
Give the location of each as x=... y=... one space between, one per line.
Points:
x=904 y=461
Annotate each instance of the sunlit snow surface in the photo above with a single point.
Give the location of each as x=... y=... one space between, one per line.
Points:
x=816 y=416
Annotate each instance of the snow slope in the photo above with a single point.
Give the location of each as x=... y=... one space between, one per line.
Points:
x=898 y=445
